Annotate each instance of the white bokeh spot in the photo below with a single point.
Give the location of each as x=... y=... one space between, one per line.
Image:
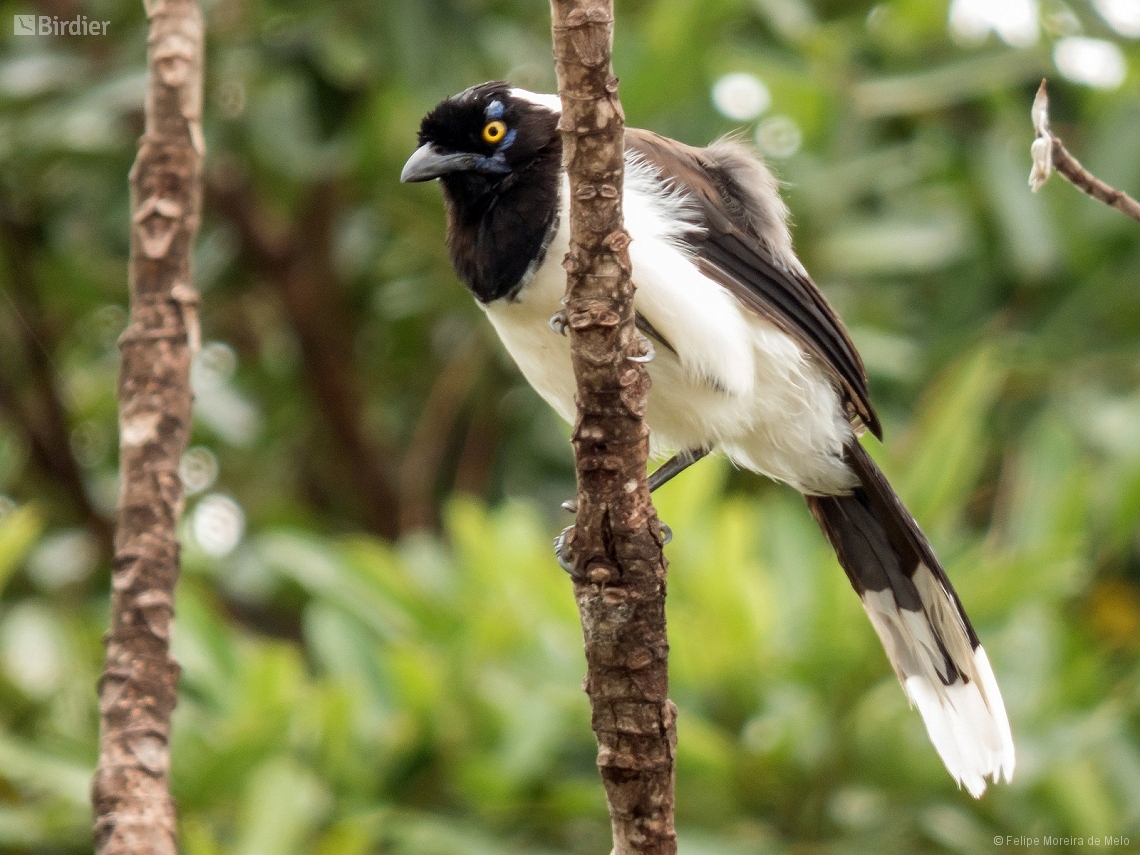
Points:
x=198 y=469
x=1014 y=21
x=63 y=558
x=740 y=96
x=779 y=136
x=1122 y=15
x=31 y=650
x=218 y=524
x=1093 y=62
x=226 y=411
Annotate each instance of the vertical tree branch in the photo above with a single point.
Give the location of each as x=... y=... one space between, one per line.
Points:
x=620 y=568
x=134 y=813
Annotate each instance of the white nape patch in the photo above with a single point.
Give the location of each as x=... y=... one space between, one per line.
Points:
x=966 y=721
x=542 y=99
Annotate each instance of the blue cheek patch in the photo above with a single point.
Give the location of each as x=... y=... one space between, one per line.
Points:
x=498 y=164
x=498 y=161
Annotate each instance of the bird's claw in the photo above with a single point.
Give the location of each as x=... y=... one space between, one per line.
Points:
x=666 y=534
x=647 y=351
x=559 y=322
x=571 y=505
x=563 y=553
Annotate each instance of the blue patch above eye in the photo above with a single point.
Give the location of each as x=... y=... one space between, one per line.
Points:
x=495 y=110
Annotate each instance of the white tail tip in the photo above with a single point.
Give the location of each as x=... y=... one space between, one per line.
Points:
x=968 y=725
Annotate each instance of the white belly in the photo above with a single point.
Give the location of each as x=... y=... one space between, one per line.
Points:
x=736 y=383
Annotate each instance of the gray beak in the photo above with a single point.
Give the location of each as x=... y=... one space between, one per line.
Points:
x=428 y=162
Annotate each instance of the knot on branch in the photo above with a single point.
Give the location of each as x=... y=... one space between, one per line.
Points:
x=149 y=747
x=635 y=399
x=601 y=574
x=157 y=609
x=589 y=314
x=581 y=16
x=187 y=300
x=617 y=242
x=615 y=596
x=601 y=462
x=174 y=59
x=157 y=219
x=572 y=263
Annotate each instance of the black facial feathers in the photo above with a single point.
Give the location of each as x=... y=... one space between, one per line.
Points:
x=501 y=208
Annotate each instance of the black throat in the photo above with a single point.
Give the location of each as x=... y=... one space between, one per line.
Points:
x=498 y=229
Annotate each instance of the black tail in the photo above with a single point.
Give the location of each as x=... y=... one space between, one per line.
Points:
x=920 y=620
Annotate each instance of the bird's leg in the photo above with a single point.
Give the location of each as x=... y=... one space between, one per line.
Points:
x=674 y=466
x=665 y=473
x=669 y=470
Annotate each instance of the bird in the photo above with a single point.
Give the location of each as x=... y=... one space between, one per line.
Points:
x=748 y=360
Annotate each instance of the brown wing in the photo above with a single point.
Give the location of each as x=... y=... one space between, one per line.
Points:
x=731 y=251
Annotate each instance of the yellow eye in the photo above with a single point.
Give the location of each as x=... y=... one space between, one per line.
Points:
x=494 y=132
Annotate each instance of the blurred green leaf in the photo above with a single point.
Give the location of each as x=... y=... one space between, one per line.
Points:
x=19 y=531
x=28 y=766
x=282 y=805
x=949 y=447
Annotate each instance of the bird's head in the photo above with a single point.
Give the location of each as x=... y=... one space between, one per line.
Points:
x=479 y=140
x=498 y=155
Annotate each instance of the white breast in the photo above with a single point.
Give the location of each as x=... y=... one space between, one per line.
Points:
x=735 y=383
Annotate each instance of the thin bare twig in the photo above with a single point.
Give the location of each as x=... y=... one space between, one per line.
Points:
x=419 y=474
x=1049 y=154
x=297 y=260
x=43 y=419
x=134 y=812
x=616 y=544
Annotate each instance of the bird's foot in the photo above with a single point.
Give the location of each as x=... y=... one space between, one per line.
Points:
x=564 y=553
x=559 y=322
x=647 y=351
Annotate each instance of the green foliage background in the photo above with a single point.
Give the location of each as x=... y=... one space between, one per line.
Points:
x=346 y=693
